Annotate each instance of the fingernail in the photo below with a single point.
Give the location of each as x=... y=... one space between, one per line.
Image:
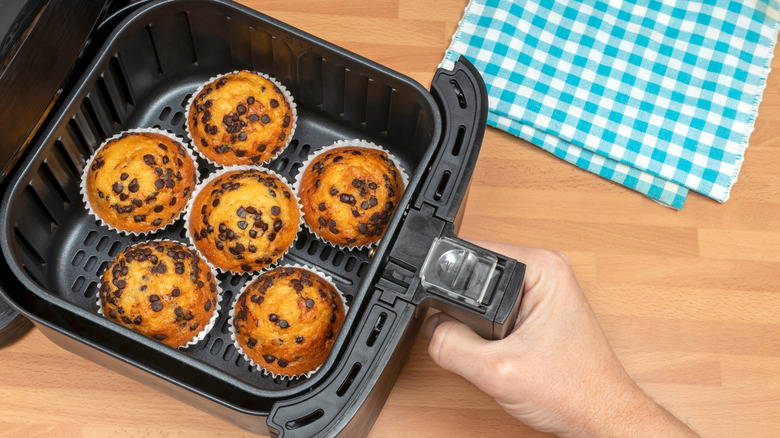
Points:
x=431 y=323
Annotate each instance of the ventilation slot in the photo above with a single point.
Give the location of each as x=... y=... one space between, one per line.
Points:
x=375 y=332
x=350 y=378
x=48 y=178
x=154 y=49
x=445 y=178
x=78 y=138
x=91 y=290
x=28 y=248
x=105 y=97
x=305 y=421
x=459 y=140
x=66 y=158
x=216 y=347
x=117 y=74
x=41 y=205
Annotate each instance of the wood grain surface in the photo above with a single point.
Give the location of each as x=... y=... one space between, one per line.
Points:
x=689 y=299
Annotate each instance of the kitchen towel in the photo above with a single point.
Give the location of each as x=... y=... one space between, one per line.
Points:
x=660 y=96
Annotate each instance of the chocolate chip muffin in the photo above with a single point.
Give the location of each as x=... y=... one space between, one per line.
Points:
x=139 y=181
x=287 y=319
x=241 y=118
x=243 y=220
x=161 y=289
x=349 y=193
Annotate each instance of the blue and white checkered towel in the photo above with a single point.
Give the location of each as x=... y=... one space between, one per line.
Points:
x=660 y=96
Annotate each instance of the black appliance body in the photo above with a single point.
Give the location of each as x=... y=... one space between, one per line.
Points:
x=137 y=67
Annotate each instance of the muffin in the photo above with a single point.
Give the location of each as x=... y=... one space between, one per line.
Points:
x=244 y=219
x=349 y=193
x=241 y=118
x=287 y=319
x=161 y=289
x=139 y=181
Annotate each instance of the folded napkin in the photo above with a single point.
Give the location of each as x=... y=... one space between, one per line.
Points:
x=660 y=96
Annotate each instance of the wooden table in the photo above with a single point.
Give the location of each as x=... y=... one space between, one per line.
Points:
x=689 y=299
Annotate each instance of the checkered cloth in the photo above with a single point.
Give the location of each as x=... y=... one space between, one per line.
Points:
x=660 y=96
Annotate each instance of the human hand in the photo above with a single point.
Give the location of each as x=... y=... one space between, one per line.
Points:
x=556 y=372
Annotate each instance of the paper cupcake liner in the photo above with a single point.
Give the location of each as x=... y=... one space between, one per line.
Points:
x=232 y=311
x=282 y=88
x=85 y=172
x=338 y=144
x=218 y=173
x=212 y=321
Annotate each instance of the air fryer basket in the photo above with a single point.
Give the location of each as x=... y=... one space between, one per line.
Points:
x=143 y=77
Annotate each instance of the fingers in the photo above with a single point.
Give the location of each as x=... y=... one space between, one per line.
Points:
x=538 y=261
x=454 y=346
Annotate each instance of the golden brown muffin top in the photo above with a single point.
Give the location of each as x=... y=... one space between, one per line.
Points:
x=140 y=181
x=161 y=289
x=240 y=118
x=349 y=194
x=287 y=320
x=244 y=220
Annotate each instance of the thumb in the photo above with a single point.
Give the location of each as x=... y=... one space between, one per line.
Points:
x=455 y=347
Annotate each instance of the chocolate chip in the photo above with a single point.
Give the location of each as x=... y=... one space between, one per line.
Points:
x=215 y=202
x=271 y=237
x=322 y=206
x=179 y=312
x=139 y=218
x=265 y=118
x=269 y=358
x=117 y=188
x=157 y=306
x=207 y=305
x=252 y=233
x=241 y=109
x=273 y=317
x=282 y=363
x=372 y=201
x=137 y=202
x=251 y=342
x=299 y=339
x=137 y=320
x=149 y=159
x=123 y=176
x=159 y=183
x=170 y=183
x=309 y=303
x=157 y=222
x=275 y=210
x=242 y=224
x=112 y=313
x=175 y=292
x=159 y=337
x=362 y=228
x=241 y=212
x=338 y=158
x=158 y=208
x=334 y=191
x=372 y=186
x=283 y=324
x=274 y=103
x=153 y=298
x=364 y=205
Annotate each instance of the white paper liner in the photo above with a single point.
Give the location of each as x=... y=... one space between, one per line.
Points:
x=282 y=88
x=218 y=173
x=206 y=328
x=232 y=311
x=338 y=144
x=85 y=172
